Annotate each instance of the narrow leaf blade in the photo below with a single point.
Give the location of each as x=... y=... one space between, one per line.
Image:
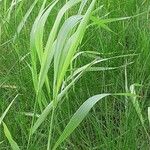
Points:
x=13 y=144
x=78 y=117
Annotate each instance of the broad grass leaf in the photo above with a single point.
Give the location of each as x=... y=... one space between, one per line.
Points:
x=81 y=113
x=78 y=117
x=74 y=78
x=47 y=110
x=62 y=38
x=75 y=41
x=36 y=43
x=48 y=49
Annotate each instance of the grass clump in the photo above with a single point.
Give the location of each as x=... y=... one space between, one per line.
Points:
x=53 y=44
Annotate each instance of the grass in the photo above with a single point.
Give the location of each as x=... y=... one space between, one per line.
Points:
x=74 y=74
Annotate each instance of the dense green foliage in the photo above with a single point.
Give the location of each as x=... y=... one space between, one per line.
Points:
x=74 y=74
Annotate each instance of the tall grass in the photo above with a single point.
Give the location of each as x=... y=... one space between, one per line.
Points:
x=58 y=43
x=62 y=49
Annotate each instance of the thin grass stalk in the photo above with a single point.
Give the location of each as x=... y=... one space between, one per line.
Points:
x=66 y=14
x=50 y=129
x=126 y=89
x=32 y=122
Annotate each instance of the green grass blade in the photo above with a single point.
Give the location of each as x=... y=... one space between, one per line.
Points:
x=22 y=23
x=107 y=68
x=13 y=144
x=9 y=12
x=66 y=29
x=78 y=117
x=74 y=77
x=36 y=40
x=109 y=20
x=1 y=142
x=47 y=110
x=43 y=5
x=92 y=54
x=76 y=39
x=41 y=118
x=102 y=22
x=39 y=29
x=116 y=19
x=99 y=23
x=48 y=49
x=83 y=3
x=149 y=114
x=7 y=109
x=136 y=104
x=81 y=113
